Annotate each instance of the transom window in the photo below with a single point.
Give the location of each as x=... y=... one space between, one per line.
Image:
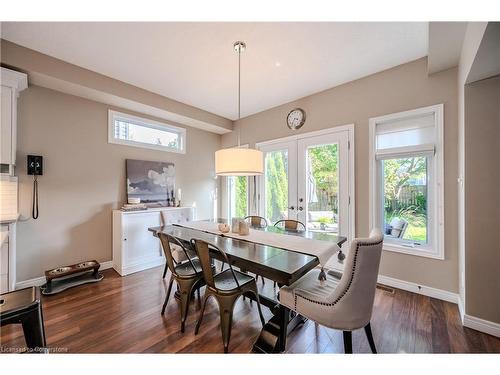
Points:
x=406 y=180
x=140 y=132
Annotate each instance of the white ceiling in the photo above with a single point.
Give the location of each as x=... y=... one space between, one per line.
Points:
x=195 y=63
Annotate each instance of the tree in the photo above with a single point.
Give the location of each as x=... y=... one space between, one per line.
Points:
x=276 y=185
x=240 y=186
x=324 y=163
x=397 y=173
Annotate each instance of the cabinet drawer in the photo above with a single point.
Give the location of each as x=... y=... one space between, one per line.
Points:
x=4 y=284
x=4 y=259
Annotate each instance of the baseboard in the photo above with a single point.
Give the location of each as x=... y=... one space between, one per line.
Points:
x=141 y=266
x=37 y=281
x=409 y=286
x=419 y=289
x=482 y=325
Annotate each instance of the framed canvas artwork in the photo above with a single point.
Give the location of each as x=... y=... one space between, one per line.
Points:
x=151 y=181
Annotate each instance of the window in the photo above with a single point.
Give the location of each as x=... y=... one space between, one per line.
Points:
x=237 y=187
x=140 y=132
x=406 y=177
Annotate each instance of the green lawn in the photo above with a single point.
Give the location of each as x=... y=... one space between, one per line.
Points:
x=416 y=233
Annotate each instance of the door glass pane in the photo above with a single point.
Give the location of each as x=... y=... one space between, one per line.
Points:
x=322 y=188
x=405 y=199
x=276 y=184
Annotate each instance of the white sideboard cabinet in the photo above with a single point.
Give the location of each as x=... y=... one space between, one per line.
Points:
x=134 y=247
x=12 y=83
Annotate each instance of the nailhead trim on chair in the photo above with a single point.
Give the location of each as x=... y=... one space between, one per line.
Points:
x=348 y=285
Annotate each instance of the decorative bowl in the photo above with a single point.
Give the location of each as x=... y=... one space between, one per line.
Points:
x=224 y=228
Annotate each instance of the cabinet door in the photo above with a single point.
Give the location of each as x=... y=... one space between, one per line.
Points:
x=139 y=244
x=4 y=259
x=6 y=123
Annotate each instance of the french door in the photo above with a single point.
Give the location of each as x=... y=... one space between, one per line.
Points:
x=309 y=178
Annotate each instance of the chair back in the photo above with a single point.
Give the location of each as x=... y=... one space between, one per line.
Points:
x=290 y=224
x=398 y=227
x=354 y=295
x=166 y=240
x=203 y=252
x=257 y=221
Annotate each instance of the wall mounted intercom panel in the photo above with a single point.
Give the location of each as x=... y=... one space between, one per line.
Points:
x=35 y=169
x=35 y=165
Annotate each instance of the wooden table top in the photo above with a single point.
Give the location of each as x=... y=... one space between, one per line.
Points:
x=281 y=265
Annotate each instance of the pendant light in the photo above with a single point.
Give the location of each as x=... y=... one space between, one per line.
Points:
x=238 y=161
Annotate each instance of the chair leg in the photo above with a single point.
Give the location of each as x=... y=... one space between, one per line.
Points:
x=185 y=297
x=200 y=318
x=369 y=336
x=168 y=295
x=165 y=270
x=226 y=305
x=347 y=342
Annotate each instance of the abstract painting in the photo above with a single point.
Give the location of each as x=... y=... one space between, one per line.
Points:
x=151 y=181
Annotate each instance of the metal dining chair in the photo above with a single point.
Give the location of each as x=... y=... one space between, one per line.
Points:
x=290 y=224
x=226 y=287
x=187 y=274
x=256 y=221
x=178 y=253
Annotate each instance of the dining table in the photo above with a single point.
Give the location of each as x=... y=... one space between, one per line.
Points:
x=276 y=263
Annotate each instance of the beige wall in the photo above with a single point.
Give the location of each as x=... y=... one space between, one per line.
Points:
x=84 y=178
x=472 y=40
x=482 y=199
x=398 y=89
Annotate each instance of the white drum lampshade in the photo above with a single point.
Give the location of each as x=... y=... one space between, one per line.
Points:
x=239 y=162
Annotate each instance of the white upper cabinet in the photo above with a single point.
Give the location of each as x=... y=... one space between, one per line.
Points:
x=12 y=84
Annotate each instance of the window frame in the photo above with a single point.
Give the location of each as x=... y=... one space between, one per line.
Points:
x=435 y=183
x=148 y=123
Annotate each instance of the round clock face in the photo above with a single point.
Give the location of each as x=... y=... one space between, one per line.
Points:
x=296 y=118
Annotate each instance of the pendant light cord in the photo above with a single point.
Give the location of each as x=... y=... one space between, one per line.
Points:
x=239 y=93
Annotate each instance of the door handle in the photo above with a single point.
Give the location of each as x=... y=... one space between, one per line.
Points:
x=291 y=208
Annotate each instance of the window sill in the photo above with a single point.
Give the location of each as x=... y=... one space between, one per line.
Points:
x=420 y=252
x=146 y=146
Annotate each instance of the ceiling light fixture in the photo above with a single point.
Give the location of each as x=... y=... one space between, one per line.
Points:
x=239 y=161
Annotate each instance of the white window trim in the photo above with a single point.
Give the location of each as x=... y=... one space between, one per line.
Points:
x=228 y=190
x=436 y=190
x=114 y=115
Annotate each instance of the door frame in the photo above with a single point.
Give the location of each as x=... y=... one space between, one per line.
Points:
x=351 y=167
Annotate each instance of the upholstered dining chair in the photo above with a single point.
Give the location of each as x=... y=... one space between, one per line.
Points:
x=256 y=221
x=226 y=287
x=343 y=301
x=290 y=224
x=187 y=274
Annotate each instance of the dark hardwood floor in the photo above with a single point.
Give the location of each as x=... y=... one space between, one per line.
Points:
x=123 y=315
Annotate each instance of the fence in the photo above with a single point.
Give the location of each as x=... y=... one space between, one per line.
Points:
x=411 y=195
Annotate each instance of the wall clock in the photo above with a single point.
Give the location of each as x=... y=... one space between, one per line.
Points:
x=296 y=118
